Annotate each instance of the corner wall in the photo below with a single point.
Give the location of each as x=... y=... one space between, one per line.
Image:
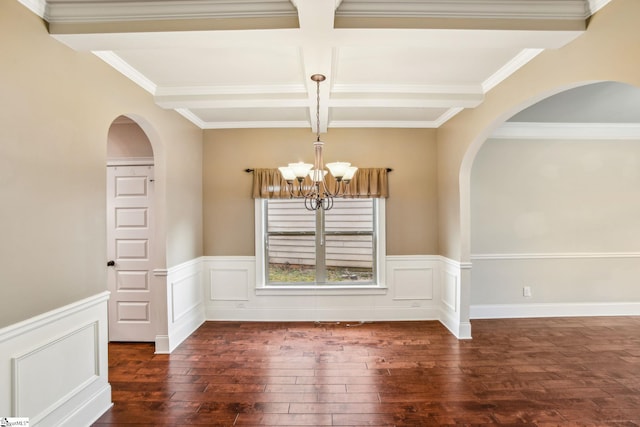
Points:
x=600 y=54
x=559 y=219
x=56 y=109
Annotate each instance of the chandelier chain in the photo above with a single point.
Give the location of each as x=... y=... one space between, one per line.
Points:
x=317 y=110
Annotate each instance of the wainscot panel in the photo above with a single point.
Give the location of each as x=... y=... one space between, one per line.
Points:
x=412 y=291
x=510 y=285
x=55 y=365
x=455 y=286
x=185 y=304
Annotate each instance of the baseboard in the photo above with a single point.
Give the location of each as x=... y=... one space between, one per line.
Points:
x=461 y=330
x=506 y=311
x=186 y=327
x=162 y=344
x=91 y=410
x=305 y=314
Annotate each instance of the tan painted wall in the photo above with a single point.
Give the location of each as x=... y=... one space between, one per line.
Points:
x=411 y=206
x=55 y=111
x=607 y=51
x=127 y=140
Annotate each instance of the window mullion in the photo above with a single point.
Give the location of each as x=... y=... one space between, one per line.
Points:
x=321 y=259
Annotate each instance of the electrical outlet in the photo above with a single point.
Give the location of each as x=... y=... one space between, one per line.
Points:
x=526 y=291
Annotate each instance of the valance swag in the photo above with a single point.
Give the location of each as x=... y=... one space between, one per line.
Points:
x=367 y=182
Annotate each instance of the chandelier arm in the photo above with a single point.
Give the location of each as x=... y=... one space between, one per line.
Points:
x=291 y=188
x=317 y=195
x=301 y=191
x=313 y=203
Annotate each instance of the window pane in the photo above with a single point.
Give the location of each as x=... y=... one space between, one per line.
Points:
x=285 y=215
x=297 y=250
x=291 y=258
x=349 y=258
x=350 y=215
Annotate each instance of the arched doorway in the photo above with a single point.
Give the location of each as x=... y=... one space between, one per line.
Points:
x=130 y=233
x=553 y=207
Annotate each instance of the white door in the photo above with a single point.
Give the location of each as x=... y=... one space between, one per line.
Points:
x=129 y=252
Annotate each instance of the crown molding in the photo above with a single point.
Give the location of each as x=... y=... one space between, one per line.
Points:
x=39 y=7
x=140 y=10
x=127 y=70
x=509 y=68
x=568 y=131
x=596 y=5
x=446 y=116
x=487 y=9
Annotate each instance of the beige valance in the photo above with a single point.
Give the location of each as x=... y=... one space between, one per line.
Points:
x=367 y=182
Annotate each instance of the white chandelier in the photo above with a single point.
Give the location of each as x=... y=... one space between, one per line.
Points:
x=317 y=195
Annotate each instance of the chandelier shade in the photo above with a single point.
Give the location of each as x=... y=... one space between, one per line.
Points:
x=317 y=195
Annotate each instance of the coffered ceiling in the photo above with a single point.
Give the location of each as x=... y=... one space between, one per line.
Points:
x=247 y=63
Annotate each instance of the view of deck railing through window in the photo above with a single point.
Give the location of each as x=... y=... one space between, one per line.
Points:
x=323 y=247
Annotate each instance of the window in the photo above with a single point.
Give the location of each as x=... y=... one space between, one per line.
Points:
x=339 y=247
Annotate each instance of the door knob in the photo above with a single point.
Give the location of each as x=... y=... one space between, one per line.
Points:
x=111 y=263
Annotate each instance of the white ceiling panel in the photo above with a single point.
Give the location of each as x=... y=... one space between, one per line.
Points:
x=398 y=116
x=268 y=65
x=251 y=116
x=418 y=66
x=247 y=63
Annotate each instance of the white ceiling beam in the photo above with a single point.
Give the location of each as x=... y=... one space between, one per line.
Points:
x=316 y=27
x=487 y=9
x=391 y=101
x=108 y=11
x=397 y=102
x=418 y=38
x=455 y=38
x=267 y=124
x=180 y=39
x=132 y=10
x=205 y=101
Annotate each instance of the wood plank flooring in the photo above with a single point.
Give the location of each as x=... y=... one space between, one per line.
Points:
x=524 y=372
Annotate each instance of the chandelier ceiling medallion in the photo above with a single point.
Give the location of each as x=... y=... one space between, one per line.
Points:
x=317 y=195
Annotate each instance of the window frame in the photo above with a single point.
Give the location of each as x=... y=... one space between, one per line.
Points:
x=377 y=285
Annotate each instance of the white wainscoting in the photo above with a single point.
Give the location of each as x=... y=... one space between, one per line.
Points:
x=453 y=293
x=54 y=366
x=185 y=304
x=562 y=285
x=413 y=290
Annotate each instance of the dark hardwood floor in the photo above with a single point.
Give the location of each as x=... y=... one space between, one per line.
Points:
x=524 y=372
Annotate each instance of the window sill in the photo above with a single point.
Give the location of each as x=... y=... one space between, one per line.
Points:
x=322 y=290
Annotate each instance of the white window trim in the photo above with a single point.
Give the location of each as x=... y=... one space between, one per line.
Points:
x=378 y=288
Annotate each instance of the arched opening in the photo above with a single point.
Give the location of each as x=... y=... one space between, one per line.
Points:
x=127 y=141
x=554 y=202
x=131 y=234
